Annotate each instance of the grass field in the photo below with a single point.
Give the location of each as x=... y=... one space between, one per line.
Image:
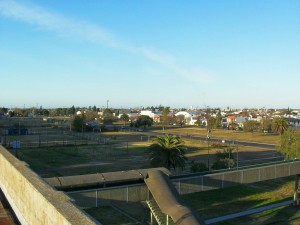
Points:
x=220 y=202
x=225 y=134
x=120 y=151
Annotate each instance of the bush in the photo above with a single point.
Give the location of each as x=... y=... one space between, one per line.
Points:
x=223 y=164
x=198 y=167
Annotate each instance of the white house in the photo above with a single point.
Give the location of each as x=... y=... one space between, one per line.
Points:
x=154 y=115
x=189 y=117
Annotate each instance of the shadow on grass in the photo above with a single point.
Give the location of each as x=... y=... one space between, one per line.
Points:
x=120 y=213
x=234 y=199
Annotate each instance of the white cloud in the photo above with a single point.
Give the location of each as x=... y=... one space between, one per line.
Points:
x=63 y=26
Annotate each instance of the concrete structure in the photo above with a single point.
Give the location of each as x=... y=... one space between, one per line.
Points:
x=33 y=200
x=169 y=201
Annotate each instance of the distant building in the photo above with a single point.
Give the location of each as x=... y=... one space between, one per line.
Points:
x=156 y=116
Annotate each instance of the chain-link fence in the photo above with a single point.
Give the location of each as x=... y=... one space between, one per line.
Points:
x=186 y=185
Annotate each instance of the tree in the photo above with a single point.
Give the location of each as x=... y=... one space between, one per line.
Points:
x=251 y=126
x=144 y=121
x=266 y=125
x=125 y=118
x=180 y=120
x=223 y=164
x=168 y=151
x=107 y=116
x=165 y=113
x=289 y=144
x=78 y=123
x=280 y=125
x=224 y=160
x=72 y=110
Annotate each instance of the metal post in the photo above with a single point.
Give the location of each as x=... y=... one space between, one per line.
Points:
x=237 y=156
x=96 y=198
x=296 y=201
x=151 y=218
x=208 y=160
x=208 y=139
x=127 y=194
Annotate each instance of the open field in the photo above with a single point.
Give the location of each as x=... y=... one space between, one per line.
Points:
x=225 y=134
x=118 y=155
x=56 y=152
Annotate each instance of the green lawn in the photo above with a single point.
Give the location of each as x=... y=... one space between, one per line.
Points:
x=220 y=202
x=225 y=134
x=224 y=201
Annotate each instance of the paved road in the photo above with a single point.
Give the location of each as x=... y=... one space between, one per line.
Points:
x=248 y=212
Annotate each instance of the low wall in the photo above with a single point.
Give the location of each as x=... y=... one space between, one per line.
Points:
x=34 y=201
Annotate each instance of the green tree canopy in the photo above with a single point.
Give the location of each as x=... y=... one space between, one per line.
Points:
x=165 y=112
x=251 y=126
x=78 y=123
x=280 y=124
x=198 y=167
x=108 y=116
x=124 y=117
x=225 y=159
x=289 y=144
x=168 y=151
x=144 y=121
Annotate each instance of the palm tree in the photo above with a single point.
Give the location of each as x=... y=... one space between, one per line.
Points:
x=168 y=151
x=280 y=125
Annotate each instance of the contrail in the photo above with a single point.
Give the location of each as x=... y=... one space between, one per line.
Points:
x=66 y=27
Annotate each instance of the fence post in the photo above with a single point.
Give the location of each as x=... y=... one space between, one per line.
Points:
x=127 y=193
x=296 y=202
x=96 y=198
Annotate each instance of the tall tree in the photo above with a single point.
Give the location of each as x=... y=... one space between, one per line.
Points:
x=165 y=113
x=280 y=125
x=168 y=151
x=78 y=123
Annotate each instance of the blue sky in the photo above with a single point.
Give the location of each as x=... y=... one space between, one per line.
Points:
x=217 y=53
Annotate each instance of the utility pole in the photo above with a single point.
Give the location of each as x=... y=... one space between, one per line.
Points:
x=107 y=103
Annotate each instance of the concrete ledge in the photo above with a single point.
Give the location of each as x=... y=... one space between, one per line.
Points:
x=32 y=199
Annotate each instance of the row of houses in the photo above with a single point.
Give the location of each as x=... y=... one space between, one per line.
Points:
x=194 y=117
x=190 y=117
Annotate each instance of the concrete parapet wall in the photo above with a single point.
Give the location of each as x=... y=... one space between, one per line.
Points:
x=34 y=201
